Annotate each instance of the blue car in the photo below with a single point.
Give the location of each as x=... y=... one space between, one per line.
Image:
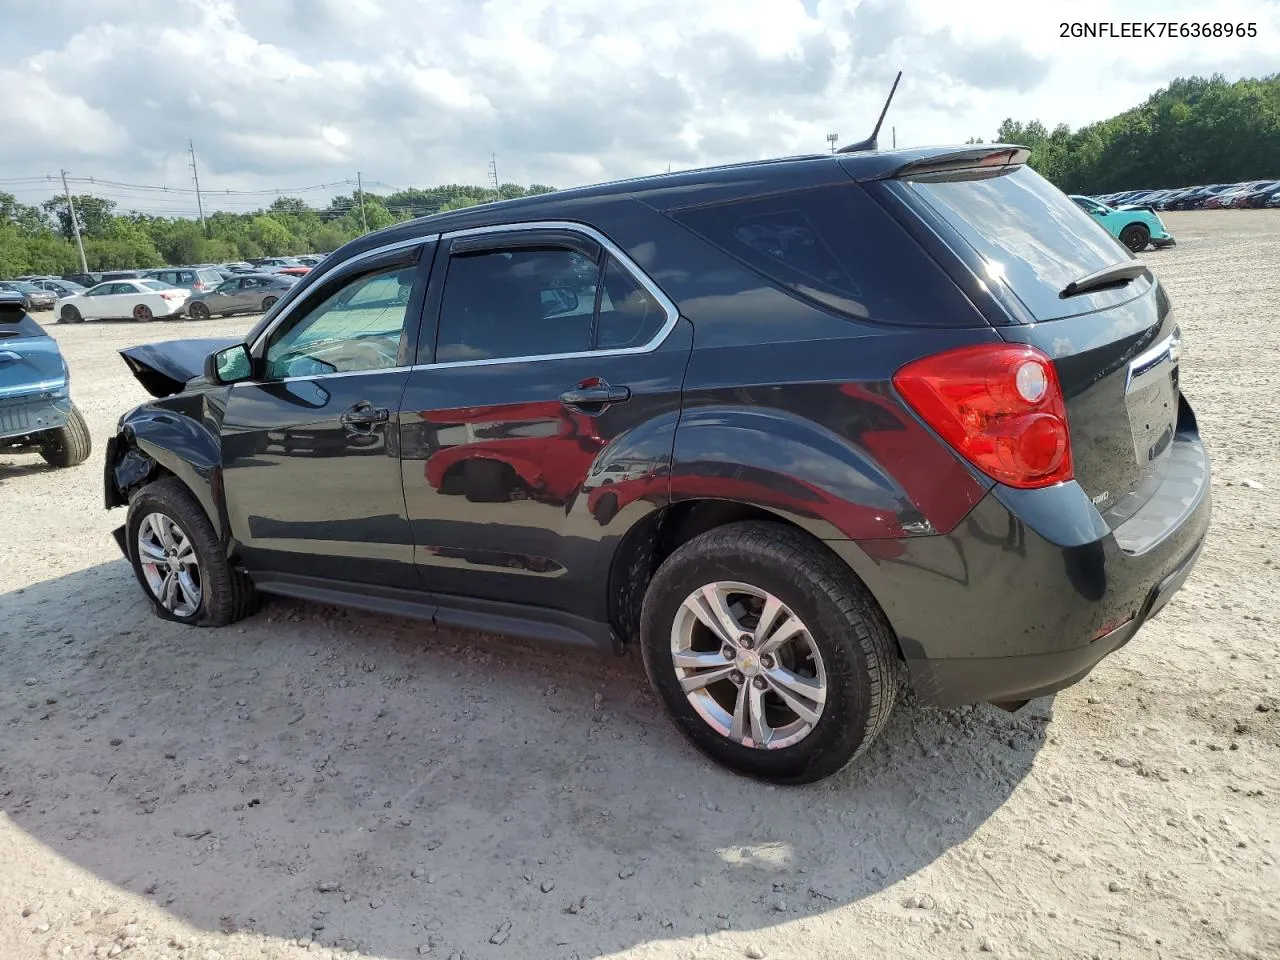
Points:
x=36 y=412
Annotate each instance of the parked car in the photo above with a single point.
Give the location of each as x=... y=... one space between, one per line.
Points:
x=296 y=271
x=33 y=297
x=140 y=299
x=59 y=288
x=86 y=280
x=1273 y=200
x=195 y=279
x=123 y=275
x=1136 y=228
x=1252 y=195
x=238 y=266
x=36 y=412
x=876 y=459
x=247 y=293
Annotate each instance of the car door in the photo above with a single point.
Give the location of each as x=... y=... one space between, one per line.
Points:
x=553 y=355
x=309 y=445
x=223 y=297
x=99 y=302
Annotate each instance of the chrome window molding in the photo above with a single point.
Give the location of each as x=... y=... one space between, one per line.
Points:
x=324 y=376
x=288 y=309
x=611 y=248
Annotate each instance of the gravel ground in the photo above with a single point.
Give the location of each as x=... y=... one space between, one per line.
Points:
x=314 y=780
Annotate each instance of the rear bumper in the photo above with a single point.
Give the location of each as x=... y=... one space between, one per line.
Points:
x=32 y=414
x=1033 y=589
x=1163 y=242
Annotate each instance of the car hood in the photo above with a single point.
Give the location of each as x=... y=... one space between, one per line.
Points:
x=166 y=368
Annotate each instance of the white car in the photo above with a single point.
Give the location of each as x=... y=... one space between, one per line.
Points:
x=121 y=299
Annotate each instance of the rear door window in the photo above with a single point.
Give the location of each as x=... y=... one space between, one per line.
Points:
x=836 y=247
x=1032 y=237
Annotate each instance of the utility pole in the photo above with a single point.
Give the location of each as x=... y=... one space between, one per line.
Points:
x=364 y=221
x=75 y=224
x=895 y=137
x=833 y=138
x=195 y=175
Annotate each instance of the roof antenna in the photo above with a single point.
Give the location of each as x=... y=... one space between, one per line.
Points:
x=871 y=143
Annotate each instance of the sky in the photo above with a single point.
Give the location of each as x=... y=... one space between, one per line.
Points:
x=280 y=94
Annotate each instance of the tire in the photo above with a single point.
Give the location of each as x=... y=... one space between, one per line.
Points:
x=856 y=652
x=268 y=303
x=225 y=594
x=70 y=314
x=199 y=311
x=142 y=313
x=1136 y=237
x=69 y=445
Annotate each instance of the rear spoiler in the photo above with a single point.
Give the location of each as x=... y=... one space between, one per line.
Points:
x=999 y=157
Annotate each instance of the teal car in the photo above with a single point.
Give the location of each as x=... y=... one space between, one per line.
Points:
x=1135 y=227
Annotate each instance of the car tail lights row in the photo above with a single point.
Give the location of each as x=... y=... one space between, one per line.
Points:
x=1001 y=407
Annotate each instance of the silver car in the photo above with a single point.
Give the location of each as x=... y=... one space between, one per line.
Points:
x=251 y=293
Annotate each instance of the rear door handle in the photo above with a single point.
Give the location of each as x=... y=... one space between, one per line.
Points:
x=595 y=397
x=365 y=414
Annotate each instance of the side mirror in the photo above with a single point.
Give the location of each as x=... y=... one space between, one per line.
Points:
x=229 y=365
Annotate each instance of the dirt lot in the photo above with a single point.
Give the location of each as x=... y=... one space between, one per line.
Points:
x=316 y=781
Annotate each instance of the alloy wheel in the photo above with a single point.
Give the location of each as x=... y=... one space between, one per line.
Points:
x=748 y=665
x=169 y=565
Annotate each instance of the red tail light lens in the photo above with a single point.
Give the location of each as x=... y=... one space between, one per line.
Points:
x=1001 y=407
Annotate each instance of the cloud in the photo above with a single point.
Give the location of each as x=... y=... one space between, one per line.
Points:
x=280 y=93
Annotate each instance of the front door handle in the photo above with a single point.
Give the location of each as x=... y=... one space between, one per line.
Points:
x=594 y=398
x=364 y=415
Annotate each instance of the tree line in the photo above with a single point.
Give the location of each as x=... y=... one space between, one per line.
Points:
x=1195 y=131
x=40 y=239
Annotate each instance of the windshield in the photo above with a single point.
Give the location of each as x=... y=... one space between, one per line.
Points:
x=21 y=285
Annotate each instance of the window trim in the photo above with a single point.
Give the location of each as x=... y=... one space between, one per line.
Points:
x=609 y=249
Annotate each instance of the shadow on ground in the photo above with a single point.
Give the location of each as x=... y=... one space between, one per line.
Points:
x=378 y=784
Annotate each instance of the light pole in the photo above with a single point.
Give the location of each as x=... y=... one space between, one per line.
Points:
x=832 y=138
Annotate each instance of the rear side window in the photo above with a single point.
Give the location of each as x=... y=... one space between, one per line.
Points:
x=834 y=246
x=210 y=276
x=1032 y=235
x=516 y=303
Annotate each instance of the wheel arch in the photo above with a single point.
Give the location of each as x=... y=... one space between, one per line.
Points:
x=158 y=443
x=649 y=542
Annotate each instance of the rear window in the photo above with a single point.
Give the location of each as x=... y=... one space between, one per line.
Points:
x=156 y=284
x=836 y=247
x=210 y=276
x=1032 y=235
x=15 y=324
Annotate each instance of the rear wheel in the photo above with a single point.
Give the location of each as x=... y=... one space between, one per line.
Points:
x=70 y=314
x=70 y=444
x=143 y=313
x=268 y=303
x=768 y=653
x=179 y=562
x=199 y=311
x=1136 y=237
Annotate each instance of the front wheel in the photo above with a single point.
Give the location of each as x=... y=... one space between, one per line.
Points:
x=268 y=303
x=768 y=653
x=179 y=562
x=198 y=311
x=70 y=314
x=69 y=445
x=142 y=313
x=1136 y=237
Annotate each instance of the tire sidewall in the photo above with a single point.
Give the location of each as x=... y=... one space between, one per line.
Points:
x=199 y=311
x=846 y=714
x=156 y=499
x=1137 y=230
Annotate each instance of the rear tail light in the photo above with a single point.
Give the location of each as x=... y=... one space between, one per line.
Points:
x=1001 y=407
